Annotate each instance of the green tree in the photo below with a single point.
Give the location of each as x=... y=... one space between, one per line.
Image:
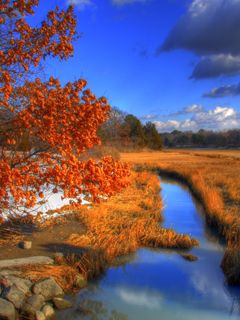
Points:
x=136 y=131
x=153 y=138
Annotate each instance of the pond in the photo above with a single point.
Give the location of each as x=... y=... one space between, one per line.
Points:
x=160 y=284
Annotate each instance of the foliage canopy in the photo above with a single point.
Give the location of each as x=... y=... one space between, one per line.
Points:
x=44 y=126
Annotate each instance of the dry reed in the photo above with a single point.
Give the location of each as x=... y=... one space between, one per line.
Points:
x=128 y=221
x=64 y=275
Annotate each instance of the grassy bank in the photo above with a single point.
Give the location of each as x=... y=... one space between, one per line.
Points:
x=128 y=221
x=213 y=177
x=114 y=228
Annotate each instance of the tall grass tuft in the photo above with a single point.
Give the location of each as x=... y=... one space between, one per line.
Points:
x=128 y=221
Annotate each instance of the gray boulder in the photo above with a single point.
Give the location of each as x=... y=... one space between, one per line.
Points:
x=33 y=304
x=22 y=284
x=61 y=303
x=25 y=245
x=25 y=261
x=40 y=315
x=7 y=310
x=5 y=283
x=48 y=288
x=6 y=272
x=48 y=311
x=58 y=255
x=14 y=295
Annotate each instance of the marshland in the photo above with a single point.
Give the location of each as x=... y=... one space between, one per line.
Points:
x=166 y=244
x=119 y=194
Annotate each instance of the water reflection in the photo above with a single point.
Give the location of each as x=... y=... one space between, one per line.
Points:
x=160 y=284
x=92 y=309
x=183 y=213
x=146 y=299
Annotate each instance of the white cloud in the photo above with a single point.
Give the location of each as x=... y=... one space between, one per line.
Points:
x=193 y=108
x=201 y=279
x=149 y=117
x=200 y=8
x=170 y=125
x=190 y=109
x=219 y=118
x=223 y=91
x=81 y=4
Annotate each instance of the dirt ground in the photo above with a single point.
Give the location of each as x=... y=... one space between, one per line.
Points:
x=44 y=242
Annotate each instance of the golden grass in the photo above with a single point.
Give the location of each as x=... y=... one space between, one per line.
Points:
x=127 y=221
x=10 y=236
x=67 y=269
x=64 y=275
x=91 y=263
x=213 y=177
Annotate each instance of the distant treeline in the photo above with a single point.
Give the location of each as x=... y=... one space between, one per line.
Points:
x=126 y=132
x=202 y=138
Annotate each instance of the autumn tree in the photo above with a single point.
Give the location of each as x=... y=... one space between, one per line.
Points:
x=115 y=131
x=44 y=126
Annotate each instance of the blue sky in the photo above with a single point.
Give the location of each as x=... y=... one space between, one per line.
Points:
x=173 y=62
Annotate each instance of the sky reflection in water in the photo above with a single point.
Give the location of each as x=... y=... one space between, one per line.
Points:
x=161 y=284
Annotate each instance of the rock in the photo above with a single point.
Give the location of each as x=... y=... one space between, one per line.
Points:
x=80 y=281
x=9 y=273
x=48 y=311
x=40 y=315
x=58 y=255
x=14 y=295
x=33 y=304
x=48 y=288
x=24 y=261
x=22 y=284
x=25 y=245
x=7 y=310
x=61 y=303
x=5 y=283
x=189 y=257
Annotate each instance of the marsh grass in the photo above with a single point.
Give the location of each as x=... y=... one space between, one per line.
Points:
x=231 y=265
x=64 y=275
x=129 y=221
x=10 y=235
x=116 y=227
x=213 y=177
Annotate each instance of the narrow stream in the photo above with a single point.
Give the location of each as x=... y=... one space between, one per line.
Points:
x=160 y=284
